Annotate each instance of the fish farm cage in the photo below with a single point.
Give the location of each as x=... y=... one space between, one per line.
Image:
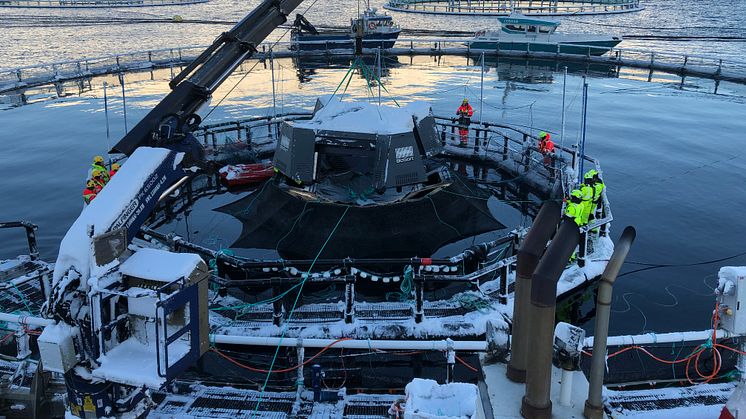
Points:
x=506 y=7
x=481 y=271
x=85 y=4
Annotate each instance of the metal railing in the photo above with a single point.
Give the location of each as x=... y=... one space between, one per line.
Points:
x=76 y=4
x=506 y=7
x=21 y=78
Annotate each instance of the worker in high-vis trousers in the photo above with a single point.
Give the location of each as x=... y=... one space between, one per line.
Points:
x=593 y=180
x=464 y=113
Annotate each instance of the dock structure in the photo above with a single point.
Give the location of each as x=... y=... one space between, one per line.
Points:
x=80 y=72
x=95 y=4
x=506 y=7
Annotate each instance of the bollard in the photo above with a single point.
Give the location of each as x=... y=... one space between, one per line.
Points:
x=594 y=408
x=528 y=257
x=536 y=403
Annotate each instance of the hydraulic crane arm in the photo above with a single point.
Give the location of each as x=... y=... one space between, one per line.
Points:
x=172 y=120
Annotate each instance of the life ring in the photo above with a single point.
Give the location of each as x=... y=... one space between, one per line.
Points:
x=371 y=25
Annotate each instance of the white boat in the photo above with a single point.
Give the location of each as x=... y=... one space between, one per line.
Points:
x=521 y=33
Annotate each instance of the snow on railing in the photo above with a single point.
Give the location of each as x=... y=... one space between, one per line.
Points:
x=506 y=7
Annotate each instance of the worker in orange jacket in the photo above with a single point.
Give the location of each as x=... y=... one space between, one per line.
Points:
x=114 y=169
x=90 y=192
x=464 y=112
x=546 y=147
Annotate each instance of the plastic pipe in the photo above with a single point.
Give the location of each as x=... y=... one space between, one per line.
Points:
x=424 y=345
x=565 y=398
x=537 y=404
x=594 y=405
x=653 y=338
x=528 y=257
x=27 y=320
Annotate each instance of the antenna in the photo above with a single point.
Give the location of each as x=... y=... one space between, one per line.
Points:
x=272 y=70
x=378 y=59
x=481 y=90
x=124 y=102
x=106 y=115
x=581 y=148
x=564 y=91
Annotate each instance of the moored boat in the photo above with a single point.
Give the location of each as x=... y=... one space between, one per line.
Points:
x=521 y=33
x=377 y=30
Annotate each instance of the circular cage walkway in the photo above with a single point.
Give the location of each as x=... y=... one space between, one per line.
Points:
x=506 y=7
x=99 y=4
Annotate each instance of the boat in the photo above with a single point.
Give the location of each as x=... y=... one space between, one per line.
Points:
x=235 y=175
x=377 y=30
x=522 y=33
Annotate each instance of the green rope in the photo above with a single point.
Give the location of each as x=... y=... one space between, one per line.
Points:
x=23 y=299
x=292 y=310
x=405 y=288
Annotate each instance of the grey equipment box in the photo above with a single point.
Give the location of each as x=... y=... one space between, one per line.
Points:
x=398 y=159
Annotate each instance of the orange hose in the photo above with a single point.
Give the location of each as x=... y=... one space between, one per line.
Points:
x=233 y=361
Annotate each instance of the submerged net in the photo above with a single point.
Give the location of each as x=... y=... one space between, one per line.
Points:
x=296 y=227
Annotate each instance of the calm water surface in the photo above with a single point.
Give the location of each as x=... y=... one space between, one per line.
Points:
x=673 y=156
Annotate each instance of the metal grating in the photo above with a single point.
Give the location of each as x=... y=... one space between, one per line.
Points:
x=383 y=311
x=669 y=398
x=318 y=312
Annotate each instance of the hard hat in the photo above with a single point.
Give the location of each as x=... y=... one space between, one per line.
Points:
x=544 y=135
x=98 y=160
x=576 y=194
x=91 y=183
x=590 y=174
x=115 y=166
x=465 y=100
x=97 y=173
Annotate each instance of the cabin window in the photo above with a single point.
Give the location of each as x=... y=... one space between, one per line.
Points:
x=532 y=28
x=544 y=29
x=519 y=28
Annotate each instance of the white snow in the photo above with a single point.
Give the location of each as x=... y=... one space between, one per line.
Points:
x=104 y=211
x=133 y=363
x=426 y=399
x=159 y=265
x=364 y=117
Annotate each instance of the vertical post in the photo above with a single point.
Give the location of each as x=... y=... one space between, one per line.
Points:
x=528 y=257
x=594 y=408
x=379 y=76
x=503 y=295
x=349 y=298
x=564 y=93
x=582 y=249
x=451 y=360
x=272 y=70
x=481 y=90
x=581 y=146
x=106 y=116
x=300 y=378
x=419 y=295
x=278 y=308
x=124 y=102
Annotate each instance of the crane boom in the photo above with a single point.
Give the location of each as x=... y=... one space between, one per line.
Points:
x=170 y=123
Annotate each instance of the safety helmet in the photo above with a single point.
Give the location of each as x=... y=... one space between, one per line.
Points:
x=576 y=195
x=97 y=173
x=91 y=183
x=115 y=167
x=544 y=136
x=590 y=174
x=465 y=100
x=98 y=160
